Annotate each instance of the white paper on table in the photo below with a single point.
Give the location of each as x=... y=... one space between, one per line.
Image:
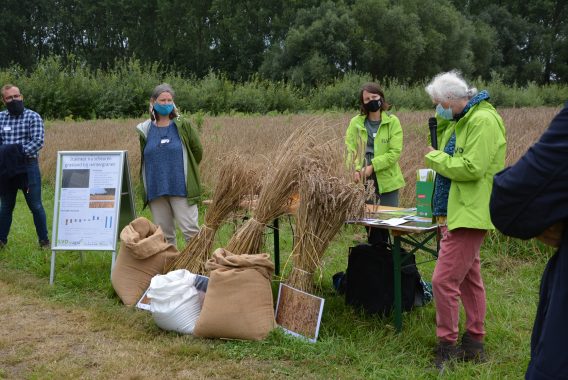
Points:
x=394 y=221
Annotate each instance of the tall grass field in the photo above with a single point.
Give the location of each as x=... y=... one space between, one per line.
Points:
x=78 y=328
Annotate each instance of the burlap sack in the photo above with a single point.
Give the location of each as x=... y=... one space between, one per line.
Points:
x=238 y=303
x=143 y=254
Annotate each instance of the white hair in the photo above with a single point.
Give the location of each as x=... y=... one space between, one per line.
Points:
x=449 y=86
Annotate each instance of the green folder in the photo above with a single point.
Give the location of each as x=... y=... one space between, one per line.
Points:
x=424 y=190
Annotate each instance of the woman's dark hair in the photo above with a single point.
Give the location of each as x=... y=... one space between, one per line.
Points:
x=373 y=88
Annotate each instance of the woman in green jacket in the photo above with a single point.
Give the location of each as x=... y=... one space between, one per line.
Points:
x=472 y=147
x=169 y=171
x=374 y=144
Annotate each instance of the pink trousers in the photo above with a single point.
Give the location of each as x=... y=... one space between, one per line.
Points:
x=458 y=275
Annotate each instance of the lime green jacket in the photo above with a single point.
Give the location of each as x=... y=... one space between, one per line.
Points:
x=479 y=154
x=192 y=154
x=388 y=147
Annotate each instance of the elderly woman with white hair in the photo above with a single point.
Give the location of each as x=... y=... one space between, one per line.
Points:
x=169 y=168
x=472 y=145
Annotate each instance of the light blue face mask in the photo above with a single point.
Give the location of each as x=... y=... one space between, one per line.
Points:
x=444 y=113
x=163 y=109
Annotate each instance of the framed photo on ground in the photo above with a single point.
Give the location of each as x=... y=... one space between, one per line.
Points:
x=299 y=313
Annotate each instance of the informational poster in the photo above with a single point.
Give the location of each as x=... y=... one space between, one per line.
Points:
x=88 y=200
x=93 y=202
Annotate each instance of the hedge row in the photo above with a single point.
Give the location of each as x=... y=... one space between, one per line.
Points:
x=71 y=91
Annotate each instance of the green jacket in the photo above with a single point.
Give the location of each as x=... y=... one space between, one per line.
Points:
x=388 y=147
x=479 y=154
x=192 y=154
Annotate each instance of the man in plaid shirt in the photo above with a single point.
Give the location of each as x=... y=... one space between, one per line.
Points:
x=19 y=125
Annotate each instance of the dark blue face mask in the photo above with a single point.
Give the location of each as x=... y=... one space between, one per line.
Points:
x=15 y=107
x=373 y=105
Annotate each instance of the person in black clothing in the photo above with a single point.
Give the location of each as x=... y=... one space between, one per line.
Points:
x=530 y=199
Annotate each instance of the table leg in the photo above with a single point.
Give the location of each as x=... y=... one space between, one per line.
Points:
x=276 y=247
x=396 y=260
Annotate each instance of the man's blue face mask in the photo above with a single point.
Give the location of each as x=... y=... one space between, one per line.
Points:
x=444 y=113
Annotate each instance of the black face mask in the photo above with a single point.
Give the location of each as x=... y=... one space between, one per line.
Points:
x=15 y=107
x=373 y=105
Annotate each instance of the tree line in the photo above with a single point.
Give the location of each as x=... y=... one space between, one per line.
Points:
x=304 y=43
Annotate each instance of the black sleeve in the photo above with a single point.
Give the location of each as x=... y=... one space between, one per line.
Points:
x=532 y=195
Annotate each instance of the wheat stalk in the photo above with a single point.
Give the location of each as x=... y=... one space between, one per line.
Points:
x=326 y=203
x=237 y=180
x=278 y=187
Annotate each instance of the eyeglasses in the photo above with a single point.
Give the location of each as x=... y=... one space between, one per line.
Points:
x=12 y=97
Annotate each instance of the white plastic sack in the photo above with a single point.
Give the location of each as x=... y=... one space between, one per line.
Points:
x=175 y=302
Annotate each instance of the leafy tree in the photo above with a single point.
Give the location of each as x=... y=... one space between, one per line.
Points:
x=23 y=32
x=184 y=37
x=91 y=30
x=448 y=37
x=241 y=31
x=390 y=37
x=143 y=30
x=532 y=37
x=509 y=53
x=317 y=48
x=550 y=42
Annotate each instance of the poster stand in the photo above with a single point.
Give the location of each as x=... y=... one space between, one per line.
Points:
x=93 y=202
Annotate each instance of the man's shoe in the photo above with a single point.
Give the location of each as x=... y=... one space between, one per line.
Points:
x=45 y=244
x=471 y=349
x=445 y=352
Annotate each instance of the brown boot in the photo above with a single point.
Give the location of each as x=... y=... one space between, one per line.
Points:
x=471 y=349
x=445 y=352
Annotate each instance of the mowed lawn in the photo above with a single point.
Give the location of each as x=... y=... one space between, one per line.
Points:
x=79 y=329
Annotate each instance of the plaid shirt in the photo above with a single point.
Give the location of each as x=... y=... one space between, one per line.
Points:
x=26 y=129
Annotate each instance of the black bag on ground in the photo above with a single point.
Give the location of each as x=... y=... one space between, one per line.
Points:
x=369 y=281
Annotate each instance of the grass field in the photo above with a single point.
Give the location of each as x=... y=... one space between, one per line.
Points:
x=79 y=329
